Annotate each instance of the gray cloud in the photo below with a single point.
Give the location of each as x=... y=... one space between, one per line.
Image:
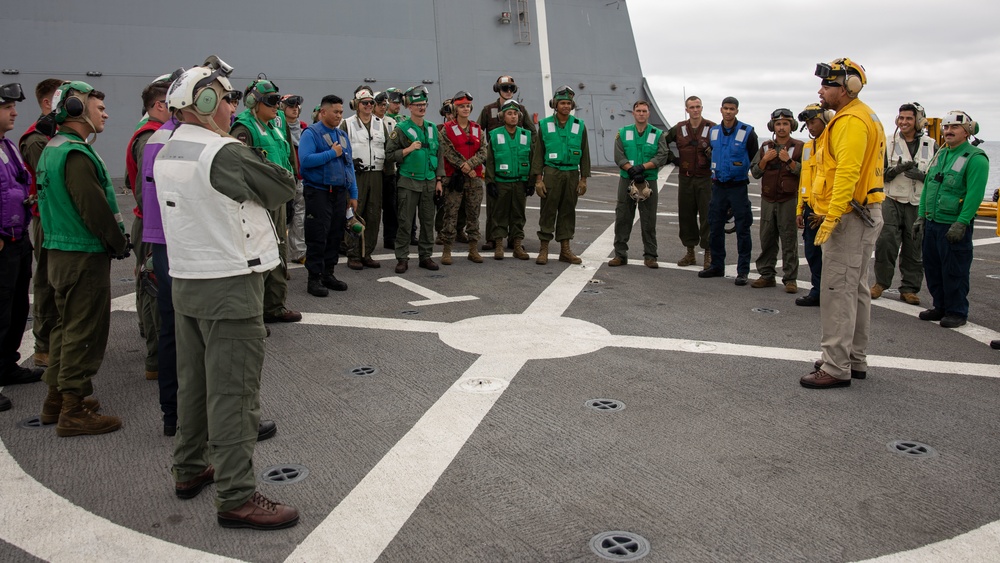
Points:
x=764 y=53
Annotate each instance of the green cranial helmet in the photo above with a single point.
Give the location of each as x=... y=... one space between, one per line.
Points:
x=70 y=100
x=263 y=91
x=415 y=94
x=510 y=105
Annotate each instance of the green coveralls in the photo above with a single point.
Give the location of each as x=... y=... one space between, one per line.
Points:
x=220 y=347
x=415 y=194
x=43 y=307
x=562 y=166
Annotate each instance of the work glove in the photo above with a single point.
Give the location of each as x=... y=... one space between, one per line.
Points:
x=636 y=173
x=816 y=220
x=540 y=188
x=823 y=234
x=581 y=186
x=125 y=252
x=956 y=232
x=528 y=190
x=493 y=190
x=918 y=228
x=890 y=173
x=915 y=174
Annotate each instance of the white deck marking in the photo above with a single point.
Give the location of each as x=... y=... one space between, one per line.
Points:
x=979 y=545
x=44 y=524
x=433 y=297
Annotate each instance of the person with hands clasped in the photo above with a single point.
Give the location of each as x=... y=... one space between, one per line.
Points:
x=508 y=167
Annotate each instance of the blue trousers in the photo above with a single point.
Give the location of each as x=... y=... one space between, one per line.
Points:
x=167 y=378
x=723 y=199
x=946 y=268
x=814 y=254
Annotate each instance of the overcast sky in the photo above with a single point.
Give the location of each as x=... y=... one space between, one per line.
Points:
x=944 y=55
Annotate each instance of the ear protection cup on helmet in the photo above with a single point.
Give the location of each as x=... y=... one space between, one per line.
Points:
x=74 y=106
x=553 y=103
x=207 y=101
x=921 y=116
x=853 y=85
x=353 y=104
x=770 y=124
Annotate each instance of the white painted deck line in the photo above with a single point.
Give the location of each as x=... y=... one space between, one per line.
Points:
x=432 y=297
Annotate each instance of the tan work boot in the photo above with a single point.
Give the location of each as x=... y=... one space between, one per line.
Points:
x=474 y=251
x=498 y=251
x=688 y=259
x=52 y=406
x=910 y=298
x=543 y=253
x=877 y=290
x=77 y=420
x=566 y=255
x=708 y=260
x=519 y=252
x=41 y=359
x=446 y=255
x=152 y=375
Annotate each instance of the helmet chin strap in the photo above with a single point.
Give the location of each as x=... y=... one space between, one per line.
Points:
x=209 y=122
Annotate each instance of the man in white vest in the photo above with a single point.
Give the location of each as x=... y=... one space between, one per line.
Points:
x=214 y=193
x=908 y=153
x=368 y=134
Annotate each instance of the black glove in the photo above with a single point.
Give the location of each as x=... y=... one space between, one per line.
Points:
x=46 y=125
x=493 y=190
x=918 y=227
x=125 y=253
x=529 y=189
x=358 y=164
x=890 y=173
x=956 y=232
x=636 y=173
x=915 y=174
x=439 y=200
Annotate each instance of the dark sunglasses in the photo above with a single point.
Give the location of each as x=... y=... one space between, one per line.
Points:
x=508 y=88
x=367 y=102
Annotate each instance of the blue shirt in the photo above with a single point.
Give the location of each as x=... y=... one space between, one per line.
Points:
x=319 y=164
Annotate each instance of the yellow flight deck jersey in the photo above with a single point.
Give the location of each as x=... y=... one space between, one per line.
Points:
x=849 y=164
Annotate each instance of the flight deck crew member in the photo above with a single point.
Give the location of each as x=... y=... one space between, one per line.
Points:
x=815 y=119
x=390 y=223
x=640 y=151
x=734 y=144
x=778 y=164
x=214 y=193
x=463 y=146
x=415 y=145
x=847 y=192
x=154 y=104
x=83 y=231
x=490 y=118
x=507 y=169
x=908 y=154
x=330 y=189
x=694 y=191
x=15 y=248
x=953 y=191
x=257 y=127
x=291 y=107
x=562 y=165
x=43 y=313
x=368 y=135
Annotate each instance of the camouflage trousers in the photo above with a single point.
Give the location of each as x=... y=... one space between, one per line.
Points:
x=472 y=198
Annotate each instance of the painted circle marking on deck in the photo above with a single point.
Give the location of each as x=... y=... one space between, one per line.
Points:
x=539 y=337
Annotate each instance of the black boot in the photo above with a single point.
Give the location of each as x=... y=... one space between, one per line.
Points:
x=330 y=281
x=315 y=286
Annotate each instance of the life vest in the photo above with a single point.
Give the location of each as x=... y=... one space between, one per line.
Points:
x=466 y=143
x=368 y=145
x=806 y=174
x=152 y=223
x=33 y=190
x=692 y=145
x=640 y=149
x=209 y=235
x=901 y=188
x=131 y=166
x=511 y=154
x=869 y=188
x=945 y=187
x=64 y=228
x=779 y=183
x=420 y=164
x=562 y=145
x=269 y=137
x=15 y=181
x=730 y=162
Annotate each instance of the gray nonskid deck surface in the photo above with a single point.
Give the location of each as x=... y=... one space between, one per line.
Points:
x=716 y=456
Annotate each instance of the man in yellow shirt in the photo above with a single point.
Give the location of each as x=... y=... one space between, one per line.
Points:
x=847 y=192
